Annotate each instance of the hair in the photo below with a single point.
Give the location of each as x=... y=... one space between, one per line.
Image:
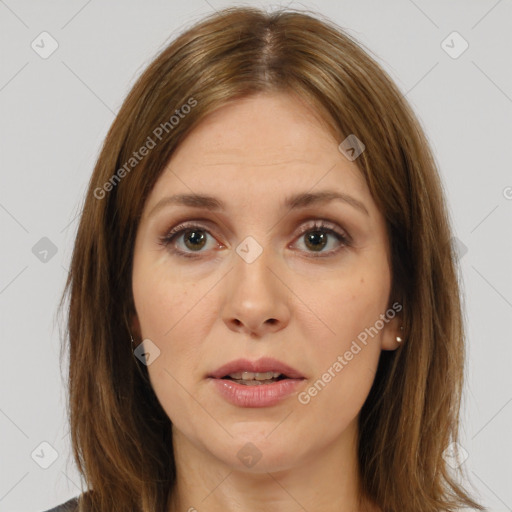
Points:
x=121 y=437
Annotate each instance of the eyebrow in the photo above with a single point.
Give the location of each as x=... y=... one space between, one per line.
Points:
x=295 y=202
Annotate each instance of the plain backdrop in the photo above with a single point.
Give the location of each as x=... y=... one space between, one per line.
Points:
x=452 y=61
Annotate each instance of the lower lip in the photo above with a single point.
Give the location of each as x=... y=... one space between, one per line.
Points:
x=260 y=395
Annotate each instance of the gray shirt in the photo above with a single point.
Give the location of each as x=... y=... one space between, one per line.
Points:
x=68 y=506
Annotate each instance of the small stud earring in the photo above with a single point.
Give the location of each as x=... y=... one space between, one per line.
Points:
x=398 y=338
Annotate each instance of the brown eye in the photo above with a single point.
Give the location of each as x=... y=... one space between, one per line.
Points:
x=194 y=239
x=319 y=235
x=316 y=240
x=185 y=240
x=190 y=240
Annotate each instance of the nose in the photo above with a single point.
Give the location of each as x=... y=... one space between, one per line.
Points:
x=257 y=300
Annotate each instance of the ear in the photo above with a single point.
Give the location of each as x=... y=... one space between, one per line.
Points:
x=390 y=333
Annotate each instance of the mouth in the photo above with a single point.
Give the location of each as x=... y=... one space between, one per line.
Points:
x=256 y=373
x=262 y=383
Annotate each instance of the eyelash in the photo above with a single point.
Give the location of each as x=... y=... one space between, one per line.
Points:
x=318 y=225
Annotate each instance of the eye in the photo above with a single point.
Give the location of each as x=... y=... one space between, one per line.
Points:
x=193 y=235
x=316 y=237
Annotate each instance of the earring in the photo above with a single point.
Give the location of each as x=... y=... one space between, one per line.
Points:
x=398 y=338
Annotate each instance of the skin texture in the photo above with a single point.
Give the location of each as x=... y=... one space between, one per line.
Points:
x=206 y=311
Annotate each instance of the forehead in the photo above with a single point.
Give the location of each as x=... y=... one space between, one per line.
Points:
x=266 y=128
x=263 y=144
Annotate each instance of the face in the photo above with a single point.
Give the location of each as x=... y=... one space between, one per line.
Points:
x=305 y=283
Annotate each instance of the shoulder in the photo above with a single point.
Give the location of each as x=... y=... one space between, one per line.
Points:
x=69 y=506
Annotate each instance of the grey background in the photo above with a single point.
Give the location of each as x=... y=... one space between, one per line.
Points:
x=55 y=113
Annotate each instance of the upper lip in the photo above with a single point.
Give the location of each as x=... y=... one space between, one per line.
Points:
x=265 y=364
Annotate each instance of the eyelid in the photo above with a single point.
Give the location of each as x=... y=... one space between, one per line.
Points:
x=305 y=223
x=194 y=223
x=321 y=223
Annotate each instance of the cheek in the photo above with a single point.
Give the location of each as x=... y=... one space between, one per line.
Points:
x=168 y=316
x=344 y=306
x=171 y=313
x=345 y=366
x=162 y=299
x=162 y=311
x=338 y=394
x=347 y=352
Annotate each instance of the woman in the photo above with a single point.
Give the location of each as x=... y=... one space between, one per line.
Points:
x=266 y=224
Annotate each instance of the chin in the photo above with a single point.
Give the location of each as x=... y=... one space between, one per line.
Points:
x=259 y=453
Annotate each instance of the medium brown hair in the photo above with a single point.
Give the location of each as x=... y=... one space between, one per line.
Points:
x=121 y=436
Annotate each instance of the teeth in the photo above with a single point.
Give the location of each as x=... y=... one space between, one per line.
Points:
x=254 y=376
x=255 y=382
